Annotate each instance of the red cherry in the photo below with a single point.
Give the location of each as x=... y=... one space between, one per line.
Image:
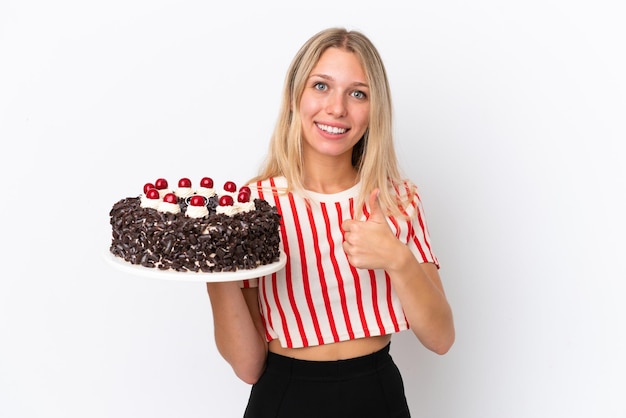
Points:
x=153 y=194
x=206 y=182
x=184 y=182
x=245 y=189
x=160 y=184
x=147 y=187
x=196 y=200
x=226 y=200
x=229 y=186
x=243 y=196
x=170 y=198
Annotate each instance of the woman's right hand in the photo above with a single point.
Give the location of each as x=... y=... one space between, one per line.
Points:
x=238 y=328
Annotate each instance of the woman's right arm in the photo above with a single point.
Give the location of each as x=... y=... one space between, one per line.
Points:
x=239 y=330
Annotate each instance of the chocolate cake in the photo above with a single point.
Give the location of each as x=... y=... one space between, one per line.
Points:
x=195 y=230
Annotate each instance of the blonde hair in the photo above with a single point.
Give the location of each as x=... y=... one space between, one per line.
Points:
x=373 y=156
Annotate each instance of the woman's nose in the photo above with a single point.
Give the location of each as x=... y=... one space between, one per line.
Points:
x=336 y=105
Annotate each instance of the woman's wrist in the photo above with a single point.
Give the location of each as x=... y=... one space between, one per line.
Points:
x=400 y=259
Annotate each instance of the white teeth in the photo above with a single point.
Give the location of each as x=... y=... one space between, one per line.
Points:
x=331 y=129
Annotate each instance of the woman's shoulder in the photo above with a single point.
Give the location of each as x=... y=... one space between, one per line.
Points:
x=404 y=189
x=407 y=195
x=271 y=185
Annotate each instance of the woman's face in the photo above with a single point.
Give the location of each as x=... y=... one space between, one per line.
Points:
x=335 y=106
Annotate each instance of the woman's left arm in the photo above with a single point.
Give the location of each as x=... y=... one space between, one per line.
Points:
x=423 y=299
x=372 y=245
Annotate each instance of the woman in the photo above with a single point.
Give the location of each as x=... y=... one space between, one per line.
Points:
x=313 y=339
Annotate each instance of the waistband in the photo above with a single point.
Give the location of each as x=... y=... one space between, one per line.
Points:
x=328 y=370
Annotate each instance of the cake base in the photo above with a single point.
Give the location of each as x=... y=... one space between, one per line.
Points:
x=212 y=243
x=190 y=276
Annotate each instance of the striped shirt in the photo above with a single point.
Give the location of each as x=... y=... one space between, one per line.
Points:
x=319 y=298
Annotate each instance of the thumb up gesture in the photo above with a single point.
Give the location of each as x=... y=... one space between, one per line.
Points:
x=369 y=244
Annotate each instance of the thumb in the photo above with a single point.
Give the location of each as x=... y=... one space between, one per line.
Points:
x=376 y=212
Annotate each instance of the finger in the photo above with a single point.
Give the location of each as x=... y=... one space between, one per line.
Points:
x=376 y=212
x=346 y=225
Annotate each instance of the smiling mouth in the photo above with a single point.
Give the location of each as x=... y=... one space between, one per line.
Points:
x=331 y=129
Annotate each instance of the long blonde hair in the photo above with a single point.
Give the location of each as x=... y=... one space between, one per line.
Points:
x=373 y=156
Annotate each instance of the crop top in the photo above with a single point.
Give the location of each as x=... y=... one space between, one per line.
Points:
x=319 y=298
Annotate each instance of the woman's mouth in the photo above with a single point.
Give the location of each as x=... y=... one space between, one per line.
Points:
x=334 y=130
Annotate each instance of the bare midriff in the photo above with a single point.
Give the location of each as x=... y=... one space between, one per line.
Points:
x=336 y=351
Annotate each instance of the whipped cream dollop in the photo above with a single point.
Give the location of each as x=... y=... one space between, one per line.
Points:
x=206 y=191
x=163 y=192
x=231 y=194
x=237 y=207
x=196 y=211
x=149 y=203
x=168 y=207
x=184 y=192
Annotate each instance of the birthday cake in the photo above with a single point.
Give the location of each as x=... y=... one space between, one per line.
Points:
x=200 y=229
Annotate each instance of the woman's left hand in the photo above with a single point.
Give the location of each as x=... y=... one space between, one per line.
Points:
x=369 y=244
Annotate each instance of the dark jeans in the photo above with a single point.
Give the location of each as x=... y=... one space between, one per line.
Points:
x=364 y=387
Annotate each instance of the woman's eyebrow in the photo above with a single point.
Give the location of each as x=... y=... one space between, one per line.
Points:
x=327 y=77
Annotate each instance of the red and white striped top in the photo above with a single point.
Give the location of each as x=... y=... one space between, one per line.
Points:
x=319 y=298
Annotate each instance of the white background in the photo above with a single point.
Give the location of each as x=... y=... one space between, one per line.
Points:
x=509 y=115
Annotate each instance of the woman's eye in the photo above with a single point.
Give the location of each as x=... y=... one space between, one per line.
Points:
x=320 y=86
x=359 y=94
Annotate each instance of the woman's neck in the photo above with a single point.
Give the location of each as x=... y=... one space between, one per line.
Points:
x=329 y=180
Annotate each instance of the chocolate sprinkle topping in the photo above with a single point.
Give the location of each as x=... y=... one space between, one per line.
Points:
x=215 y=243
